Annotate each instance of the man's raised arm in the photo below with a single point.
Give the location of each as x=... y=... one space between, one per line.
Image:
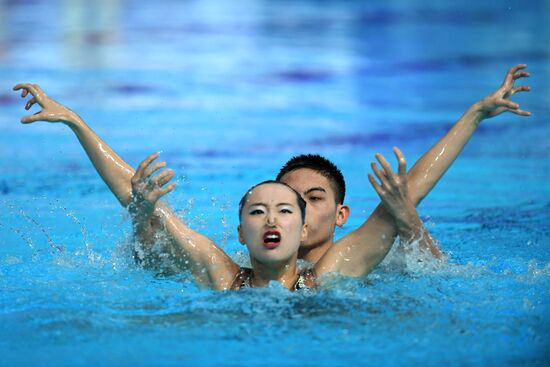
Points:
x=360 y=251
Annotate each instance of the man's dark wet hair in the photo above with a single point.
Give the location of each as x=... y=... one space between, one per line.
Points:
x=301 y=202
x=321 y=165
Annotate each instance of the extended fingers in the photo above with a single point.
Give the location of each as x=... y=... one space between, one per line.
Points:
x=36 y=92
x=30 y=103
x=25 y=90
x=27 y=87
x=522 y=88
x=401 y=161
x=152 y=169
x=513 y=107
x=521 y=74
x=143 y=165
x=510 y=75
x=521 y=112
x=32 y=118
x=164 y=177
x=387 y=167
x=379 y=190
x=38 y=89
x=161 y=179
x=508 y=104
x=166 y=190
x=157 y=194
x=517 y=67
x=381 y=176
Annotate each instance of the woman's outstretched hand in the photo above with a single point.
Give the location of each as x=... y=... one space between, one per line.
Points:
x=52 y=111
x=148 y=189
x=499 y=101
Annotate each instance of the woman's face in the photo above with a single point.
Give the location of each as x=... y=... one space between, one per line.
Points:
x=271 y=223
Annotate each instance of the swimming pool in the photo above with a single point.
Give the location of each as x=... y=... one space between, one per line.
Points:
x=229 y=91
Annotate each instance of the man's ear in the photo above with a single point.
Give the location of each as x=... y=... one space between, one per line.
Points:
x=342 y=214
x=305 y=230
x=241 y=238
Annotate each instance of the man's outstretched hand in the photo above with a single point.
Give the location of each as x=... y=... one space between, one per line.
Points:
x=499 y=101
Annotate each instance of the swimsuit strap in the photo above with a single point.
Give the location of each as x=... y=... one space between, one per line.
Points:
x=306 y=280
x=243 y=279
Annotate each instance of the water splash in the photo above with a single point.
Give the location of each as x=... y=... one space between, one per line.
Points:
x=26 y=238
x=83 y=230
x=224 y=234
x=35 y=223
x=410 y=258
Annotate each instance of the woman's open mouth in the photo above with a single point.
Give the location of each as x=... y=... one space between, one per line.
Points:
x=272 y=239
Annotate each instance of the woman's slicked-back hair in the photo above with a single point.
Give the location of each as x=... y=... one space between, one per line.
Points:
x=301 y=202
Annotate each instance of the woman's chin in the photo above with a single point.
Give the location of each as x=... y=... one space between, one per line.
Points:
x=272 y=256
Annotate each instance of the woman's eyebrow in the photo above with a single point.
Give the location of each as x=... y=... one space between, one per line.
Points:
x=263 y=204
x=314 y=189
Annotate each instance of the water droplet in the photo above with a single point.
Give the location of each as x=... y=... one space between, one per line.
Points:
x=527 y=304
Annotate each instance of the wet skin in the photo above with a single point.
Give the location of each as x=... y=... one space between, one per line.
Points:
x=354 y=255
x=323 y=214
x=271 y=224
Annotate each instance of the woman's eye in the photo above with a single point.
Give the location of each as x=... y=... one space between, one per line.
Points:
x=288 y=211
x=256 y=212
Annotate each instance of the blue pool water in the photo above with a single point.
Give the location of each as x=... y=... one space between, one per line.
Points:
x=229 y=91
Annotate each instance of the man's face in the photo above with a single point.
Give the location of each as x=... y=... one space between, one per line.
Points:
x=321 y=209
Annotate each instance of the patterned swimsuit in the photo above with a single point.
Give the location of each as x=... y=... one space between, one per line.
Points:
x=243 y=279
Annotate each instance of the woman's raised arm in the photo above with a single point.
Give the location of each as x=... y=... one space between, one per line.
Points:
x=140 y=192
x=113 y=170
x=210 y=265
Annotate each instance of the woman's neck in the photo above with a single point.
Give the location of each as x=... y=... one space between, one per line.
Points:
x=285 y=273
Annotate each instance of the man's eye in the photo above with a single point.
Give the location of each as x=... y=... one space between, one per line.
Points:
x=256 y=212
x=315 y=198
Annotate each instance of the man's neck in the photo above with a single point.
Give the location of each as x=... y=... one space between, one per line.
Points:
x=314 y=254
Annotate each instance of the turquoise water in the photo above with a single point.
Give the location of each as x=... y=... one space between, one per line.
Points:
x=229 y=91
